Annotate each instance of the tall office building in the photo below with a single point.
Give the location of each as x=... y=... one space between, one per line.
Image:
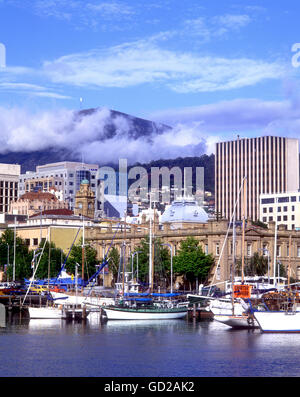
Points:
x=271 y=165
x=9 y=183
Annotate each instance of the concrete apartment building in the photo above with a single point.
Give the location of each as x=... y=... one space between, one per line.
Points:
x=9 y=184
x=65 y=176
x=271 y=165
x=282 y=208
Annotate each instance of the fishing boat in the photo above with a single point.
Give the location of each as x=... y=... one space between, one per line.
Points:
x=146 y=308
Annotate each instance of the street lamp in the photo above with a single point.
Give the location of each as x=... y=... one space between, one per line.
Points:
x=171 y=249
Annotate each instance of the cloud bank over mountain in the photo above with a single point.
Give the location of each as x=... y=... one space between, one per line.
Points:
x=95 y=135
x=104 y=136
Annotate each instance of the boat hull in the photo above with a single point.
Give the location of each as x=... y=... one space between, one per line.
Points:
x=131 y=314
x=281 y=322
x=46 y=313
x=237 y=322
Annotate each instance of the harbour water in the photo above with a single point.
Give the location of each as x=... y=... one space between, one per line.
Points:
x=56 y=348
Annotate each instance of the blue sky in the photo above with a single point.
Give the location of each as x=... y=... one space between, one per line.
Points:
x=209 y=68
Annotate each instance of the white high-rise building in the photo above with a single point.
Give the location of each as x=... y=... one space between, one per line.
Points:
x=271 y=165
x=9 y=184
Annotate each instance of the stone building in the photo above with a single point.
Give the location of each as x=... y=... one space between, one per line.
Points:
x=85 y=200
x=32 y=202
x=214 y=237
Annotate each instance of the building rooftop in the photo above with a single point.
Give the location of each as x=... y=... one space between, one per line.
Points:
x=185 y=209
x=38 y=196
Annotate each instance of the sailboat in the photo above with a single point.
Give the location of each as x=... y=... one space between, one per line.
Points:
x=52 y=310
x=145 y=308
x=280 y=312
x=235 y=312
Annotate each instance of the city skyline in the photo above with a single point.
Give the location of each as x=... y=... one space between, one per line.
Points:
x=211 y=71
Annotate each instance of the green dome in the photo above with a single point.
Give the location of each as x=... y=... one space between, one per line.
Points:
x=85 y=182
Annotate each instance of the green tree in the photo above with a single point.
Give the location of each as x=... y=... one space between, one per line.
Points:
x=161 y=261
x=45 y=267
x=191 y=262
x=257 y=265
x=114 y=262
x=90 y=260
x=22 y=258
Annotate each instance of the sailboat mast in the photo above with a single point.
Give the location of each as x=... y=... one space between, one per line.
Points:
x=82 y=249
x=124 y=254
x=243 y=233
x=233 y=263
x=150 y=248
x=275 y=252
x=289 y=267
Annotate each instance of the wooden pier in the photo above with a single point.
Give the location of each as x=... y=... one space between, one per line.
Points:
x=198 y=313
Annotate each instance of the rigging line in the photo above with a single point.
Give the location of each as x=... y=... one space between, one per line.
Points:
x=223 y=247
x=32 y=278
x=104 y=262
x=64 y=264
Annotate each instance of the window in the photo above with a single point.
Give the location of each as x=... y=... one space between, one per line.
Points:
x=35 y=241
x=264 y=219
x=293 y=208
x=283 y=200
x=264 y=210
x=298 y=251
x=249 y=249
x=217 y=249
x=206 y=249
x=278 y=218
x=285 y=209
x=285 y=218
x=267 y=201
x=293 y=217
x=271 y=210
x=270 y=218
x=293 y=199
x=279 y=209
x=278 y=250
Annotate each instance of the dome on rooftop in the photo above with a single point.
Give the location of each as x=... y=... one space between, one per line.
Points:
x=85 y=182
x=184 y=210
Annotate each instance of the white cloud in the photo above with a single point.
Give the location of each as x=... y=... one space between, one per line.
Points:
x=215 y=27
x=143 y=62
x=86 y=135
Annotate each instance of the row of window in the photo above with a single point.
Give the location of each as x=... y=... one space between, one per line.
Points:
x=291 y=199
x=279 y=209
x=284 y=218
x=264 y=250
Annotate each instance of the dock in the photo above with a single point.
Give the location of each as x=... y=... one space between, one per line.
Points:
x=196 y=312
